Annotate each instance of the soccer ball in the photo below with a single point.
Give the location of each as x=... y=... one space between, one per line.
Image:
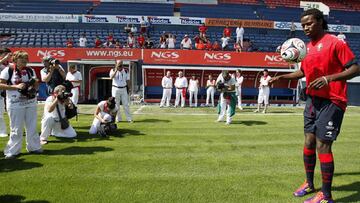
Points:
x=293 y=50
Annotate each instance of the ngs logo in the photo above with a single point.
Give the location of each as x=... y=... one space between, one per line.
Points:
x=218 y=56
x=274 y=58
x=53 y=53
x=165 y=55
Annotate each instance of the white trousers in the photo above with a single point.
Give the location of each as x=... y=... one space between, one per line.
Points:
x=166 y=96
x=51 y=127
x=3 y=130
x=238 y=93
x=18 y=118
x=96 y=123
x=193 y=94
x=210 y=94
x=179 y=94
x=121 y=94
x=75 y=97
x=225 y=109
x=264 y=93
x=240 y=39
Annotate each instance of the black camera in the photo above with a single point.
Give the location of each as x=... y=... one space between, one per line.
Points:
x=220 y=85
x=29 y=91
x=64 y=95
x=107 y=128
x=55 y=61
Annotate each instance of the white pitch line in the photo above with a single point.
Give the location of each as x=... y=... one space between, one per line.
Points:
x=238 y=114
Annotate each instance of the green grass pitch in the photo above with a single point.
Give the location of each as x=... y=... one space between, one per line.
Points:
x=181 y=155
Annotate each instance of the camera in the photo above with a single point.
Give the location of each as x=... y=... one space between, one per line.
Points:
x=107 y=128
x=29 y=91
x=220 y=85
x=55 y=61
x=64 y=95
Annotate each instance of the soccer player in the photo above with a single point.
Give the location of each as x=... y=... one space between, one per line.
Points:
x=327 y=66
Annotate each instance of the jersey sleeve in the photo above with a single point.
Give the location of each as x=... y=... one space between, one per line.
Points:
x=101 y=106
x=33 y=73
x=344 y=54
x=4 y=75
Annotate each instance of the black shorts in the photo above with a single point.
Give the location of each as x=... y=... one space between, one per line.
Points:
x=322 y=118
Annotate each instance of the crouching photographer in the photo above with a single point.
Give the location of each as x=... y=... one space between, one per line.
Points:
x=54 y=121
x=104 y=118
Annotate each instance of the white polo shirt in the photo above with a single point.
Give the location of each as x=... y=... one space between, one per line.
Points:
x=181 y=82
x=74 y=77
x=167 y=82
x=120 y=78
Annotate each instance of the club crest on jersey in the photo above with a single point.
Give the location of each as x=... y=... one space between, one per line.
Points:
x=330 y=125
x=319 y=47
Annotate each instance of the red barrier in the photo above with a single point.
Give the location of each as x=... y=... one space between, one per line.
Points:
x=162 y=56
x=213 y=58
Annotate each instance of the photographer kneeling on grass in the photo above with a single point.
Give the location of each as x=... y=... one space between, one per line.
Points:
x=54 y=121
x=104 y=117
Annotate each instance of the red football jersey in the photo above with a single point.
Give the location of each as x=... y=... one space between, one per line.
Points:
x=328 y=56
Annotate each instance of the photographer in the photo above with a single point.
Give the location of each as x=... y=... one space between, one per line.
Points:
x=104 y=115
x=52 y=73
x=21 y=84
x=50 y=123
x=120 y=89
x=225 y=84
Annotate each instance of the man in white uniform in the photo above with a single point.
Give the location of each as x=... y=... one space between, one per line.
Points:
x=239 y=80
x=264 y=91
x=240 y=35
x=50 y=123
x=75 y=78
x=5 y=55
x=21 y=106
x=210 y=91
x=226 y=85
x=120 y=87
x=181 y=84
x=167 y=84
x=193 y=90
x=104 y=113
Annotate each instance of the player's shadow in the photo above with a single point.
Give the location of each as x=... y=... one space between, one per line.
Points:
x=126 y=132
x=18 y=199
x=9 y=165
x=354 y=188
x=249 y=123
x=152 y=121
x=77 y=151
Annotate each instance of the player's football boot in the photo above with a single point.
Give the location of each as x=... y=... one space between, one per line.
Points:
x=303 y=190
x=319 y=198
